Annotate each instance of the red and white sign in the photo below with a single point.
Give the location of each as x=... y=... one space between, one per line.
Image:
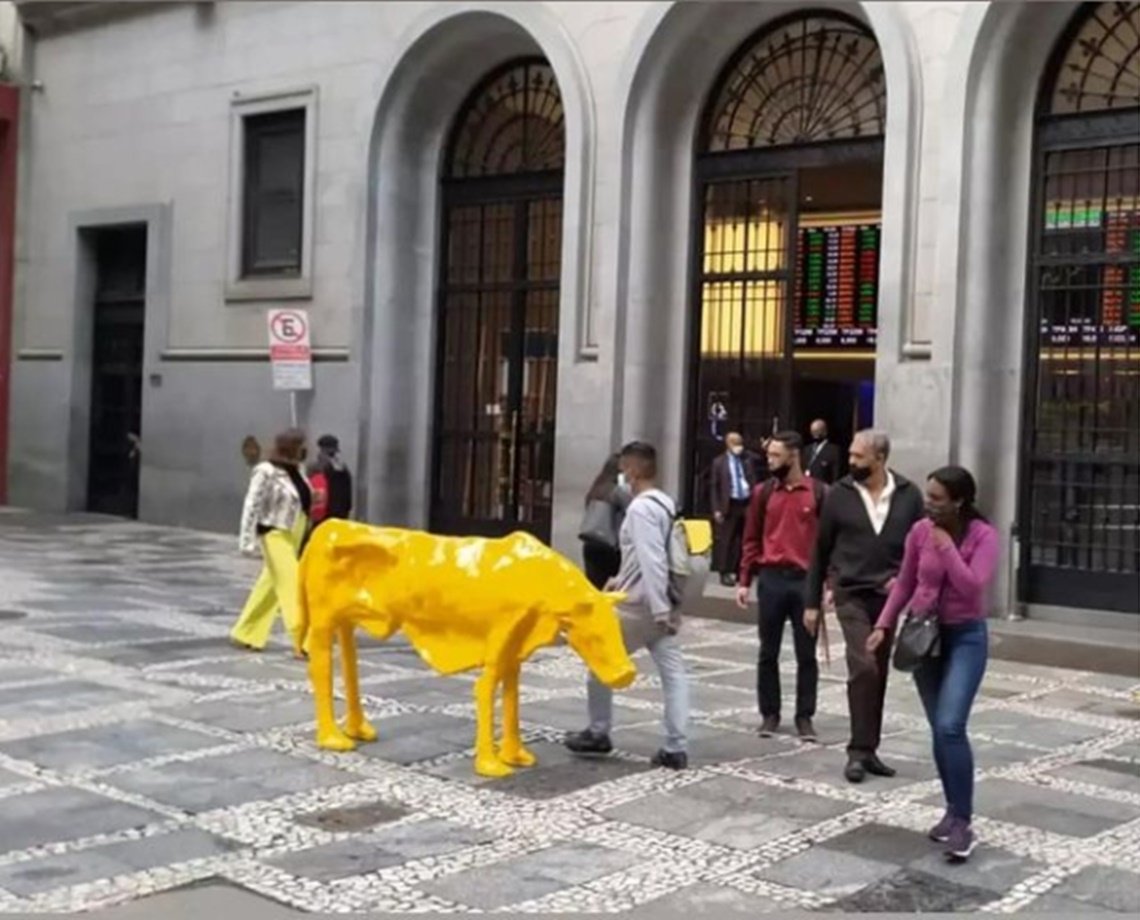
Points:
x=290 y=349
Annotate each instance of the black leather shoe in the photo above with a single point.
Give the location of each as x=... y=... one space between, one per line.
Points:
x=729 y=581
x=670 y=760
x=769 y=726
x=855 y=772
x=877 y=768
x=588 y=743
x=805 y=729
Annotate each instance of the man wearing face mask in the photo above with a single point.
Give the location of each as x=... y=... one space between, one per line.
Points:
x=821 y=457
x=730 y=488
x=779 y=536
x=862 y=536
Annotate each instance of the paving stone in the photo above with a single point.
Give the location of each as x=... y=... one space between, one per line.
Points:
x=531 y=876
x=33 y=876
x=219 y=782
x=109 y=631
x=1108 y=774
x=909 y=891
x=209 y=898
x=407 y=739
x=106 y=745
x=59 y=814
x=380 y=849
x=352 y=818
x=255 y=713
x=1028 y=729
x=825 y=765
x=880 y=843
x=15 y=674
x=705 y=899
x=990 y=868
x=1059 y=906
x=1103 y=887
x=1048 y=809
x=57 y=698
x=832 y=874
x=163 y=652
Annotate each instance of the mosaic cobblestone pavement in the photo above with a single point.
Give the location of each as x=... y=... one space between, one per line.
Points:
x=140 y=753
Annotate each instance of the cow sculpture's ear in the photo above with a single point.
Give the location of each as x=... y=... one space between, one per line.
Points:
x=615 y=597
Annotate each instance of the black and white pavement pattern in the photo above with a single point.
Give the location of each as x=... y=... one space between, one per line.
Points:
x=140 y=753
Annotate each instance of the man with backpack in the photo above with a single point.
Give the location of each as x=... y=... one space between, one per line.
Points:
x=650 y=614
x=779 y=536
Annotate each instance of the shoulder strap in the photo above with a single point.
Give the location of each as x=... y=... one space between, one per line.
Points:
x=660 y=504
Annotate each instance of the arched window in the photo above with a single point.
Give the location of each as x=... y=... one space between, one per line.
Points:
x=789 y=163
x=497 y=352
x=1080 y=465
x=809 y=79
x=514 y=124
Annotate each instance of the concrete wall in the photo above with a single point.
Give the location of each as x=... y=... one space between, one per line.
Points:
x=135 y=113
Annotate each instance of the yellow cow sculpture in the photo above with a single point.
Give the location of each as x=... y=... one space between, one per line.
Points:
x=463 y=603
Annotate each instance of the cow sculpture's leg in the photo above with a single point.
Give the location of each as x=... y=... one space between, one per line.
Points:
x=329 y=735
x=512 y=750
x=487 y=762
x=355 y=724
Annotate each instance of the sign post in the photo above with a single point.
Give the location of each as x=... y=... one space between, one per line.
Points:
x=290 y=353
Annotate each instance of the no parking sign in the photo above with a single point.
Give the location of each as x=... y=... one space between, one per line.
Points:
x=290 y=349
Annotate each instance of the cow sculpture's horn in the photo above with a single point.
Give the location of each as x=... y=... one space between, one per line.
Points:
x=616 y=597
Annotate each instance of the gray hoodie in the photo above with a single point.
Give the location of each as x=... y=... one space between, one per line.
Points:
x=644 y=538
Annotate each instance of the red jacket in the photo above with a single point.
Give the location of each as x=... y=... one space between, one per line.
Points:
x=781 y=526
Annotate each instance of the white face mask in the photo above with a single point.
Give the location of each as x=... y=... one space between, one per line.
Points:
x=622 y=481
x=737 y=450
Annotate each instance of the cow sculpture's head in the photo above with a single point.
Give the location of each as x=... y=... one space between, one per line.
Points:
x=592 y=630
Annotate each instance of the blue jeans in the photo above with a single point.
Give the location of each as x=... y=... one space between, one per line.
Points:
x=639 y=631
x=947 y=687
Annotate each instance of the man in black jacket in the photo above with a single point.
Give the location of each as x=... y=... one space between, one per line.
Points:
x=862 y=533
x=821 y=457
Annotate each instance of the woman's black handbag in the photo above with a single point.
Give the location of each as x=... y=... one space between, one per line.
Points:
x=599 y=524
x=919 y=641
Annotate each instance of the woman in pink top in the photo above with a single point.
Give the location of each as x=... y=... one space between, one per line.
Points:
x=948 y=566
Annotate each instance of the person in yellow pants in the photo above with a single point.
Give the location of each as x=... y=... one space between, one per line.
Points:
x=275 y=519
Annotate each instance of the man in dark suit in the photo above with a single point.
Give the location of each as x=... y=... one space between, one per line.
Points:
x=730 y=488
x=821 y=457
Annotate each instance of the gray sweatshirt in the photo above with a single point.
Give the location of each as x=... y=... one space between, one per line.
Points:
x=644 y=538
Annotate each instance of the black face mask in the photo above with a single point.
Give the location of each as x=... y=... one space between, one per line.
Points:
x=860 y=473
x=781 y=472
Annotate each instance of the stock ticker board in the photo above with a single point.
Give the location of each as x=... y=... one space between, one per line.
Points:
x=837 y=287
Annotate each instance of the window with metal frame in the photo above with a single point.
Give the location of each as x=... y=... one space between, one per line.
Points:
x=1079 y=497
x=799 y=108
x=496 y=380
x=273 y=194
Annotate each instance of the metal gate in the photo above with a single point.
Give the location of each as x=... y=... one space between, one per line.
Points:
x=496 y=383
x=1079 y=516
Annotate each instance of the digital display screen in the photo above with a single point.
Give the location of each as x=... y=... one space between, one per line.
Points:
x=837 y=287
x=1113 y=317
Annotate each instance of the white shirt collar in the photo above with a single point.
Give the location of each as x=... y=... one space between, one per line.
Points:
x=878 y=511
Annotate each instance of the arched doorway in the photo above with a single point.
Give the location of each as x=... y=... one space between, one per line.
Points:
x=497 y=319
x=788 y=173
x=1080 y=461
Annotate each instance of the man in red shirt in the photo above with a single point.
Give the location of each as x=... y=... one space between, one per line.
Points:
x=779 y=536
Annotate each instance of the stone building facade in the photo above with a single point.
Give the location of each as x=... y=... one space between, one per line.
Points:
x=524 y=233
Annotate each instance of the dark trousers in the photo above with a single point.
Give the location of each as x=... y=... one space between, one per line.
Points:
x=866 y=674
x=601 y=563
x=781 y=597
x=947 y=686
x=730 y=539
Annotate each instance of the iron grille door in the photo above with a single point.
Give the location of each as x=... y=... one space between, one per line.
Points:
x=1080 y=501
x=741 y=341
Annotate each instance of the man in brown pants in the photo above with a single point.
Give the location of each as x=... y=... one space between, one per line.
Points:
x=862 y=533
